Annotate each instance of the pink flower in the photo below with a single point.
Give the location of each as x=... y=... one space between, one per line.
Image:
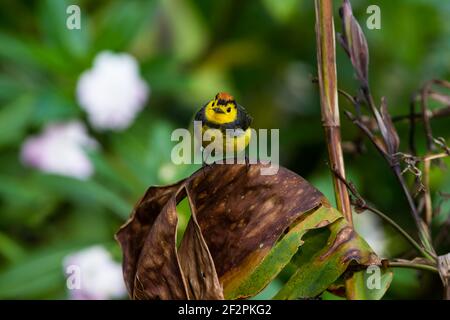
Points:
x=112 y=92
x=60 y=149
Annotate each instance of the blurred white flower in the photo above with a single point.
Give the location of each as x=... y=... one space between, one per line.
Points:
x=370 y=227
x=60 y=149
x=112 y=92
x=100 y=276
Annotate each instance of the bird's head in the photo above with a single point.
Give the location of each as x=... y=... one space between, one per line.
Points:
x=222 y=109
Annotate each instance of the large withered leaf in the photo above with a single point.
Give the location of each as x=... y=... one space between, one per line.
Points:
x=134 y=233
x=153 y=268
x=197 y=264
x=237 y=217
x=387 y=128
x=158 y=274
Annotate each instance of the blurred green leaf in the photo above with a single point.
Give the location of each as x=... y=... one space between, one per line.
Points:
x=52 y=106
x=52 y=17
x=164 y=75
x=187 y=28
x=121 y=21
x=10 y=249
x=88 y=223
x=9 y=88
x=80 y=191
x=14 y=119
x=28 y=53
x=144 y=148
x=405 y=283
x=25 y=202
x=282 y=10
x=36 y=275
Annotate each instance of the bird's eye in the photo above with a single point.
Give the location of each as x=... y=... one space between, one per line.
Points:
x=229 y=109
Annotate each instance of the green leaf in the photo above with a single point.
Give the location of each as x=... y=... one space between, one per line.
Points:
x=9 y=87
x=281 y=254
x=27 y=53
x=10 y=249
x=14 y=118
x=370 y=284
x=164 y=75
x=143 y=148
x=186 y=25
x=318 y=268
x=39 y=274
x=282 y=11
x=121 y=22
x=53 y=16
x=52 y=106
x=80 y=191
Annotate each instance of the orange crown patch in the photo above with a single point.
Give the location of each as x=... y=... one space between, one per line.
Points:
x=224 y=96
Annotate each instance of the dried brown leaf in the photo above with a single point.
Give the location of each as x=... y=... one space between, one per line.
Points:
x=133 y=235
x=392 y=140
x=354 y=43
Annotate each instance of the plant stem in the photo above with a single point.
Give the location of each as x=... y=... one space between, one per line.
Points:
x=412 y=265
x=413 y=242
x=326 y=61
x=362 y=204
x=433 y=114
x=423 y=232
x=427 y=193
x=395 y=165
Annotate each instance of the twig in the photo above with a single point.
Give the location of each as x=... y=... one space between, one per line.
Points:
x=395 y=165
x=412 y=125
x=425 y=116
x=412 y=265
x=363 y=205
x=427 y=193
x=367 y=131
x=432 y=114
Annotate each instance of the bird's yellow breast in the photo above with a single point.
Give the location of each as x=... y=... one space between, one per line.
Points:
x=237 y=141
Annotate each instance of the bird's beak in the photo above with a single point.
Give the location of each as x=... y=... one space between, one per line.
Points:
x=218 y=110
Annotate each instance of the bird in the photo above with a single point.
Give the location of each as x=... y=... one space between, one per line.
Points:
x=219 y=115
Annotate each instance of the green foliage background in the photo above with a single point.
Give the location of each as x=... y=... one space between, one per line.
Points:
x=261 y=51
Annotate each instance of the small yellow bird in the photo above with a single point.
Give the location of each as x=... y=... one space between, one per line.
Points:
x=232 y=120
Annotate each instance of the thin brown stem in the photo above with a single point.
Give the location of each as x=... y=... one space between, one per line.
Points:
x=432 y=114
x=395 y=165
x=412 y=125
x=435 y=156
x=425 y=116
x=362 y=204
x=326 y=61
x=427 y=193
x=423 y=232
